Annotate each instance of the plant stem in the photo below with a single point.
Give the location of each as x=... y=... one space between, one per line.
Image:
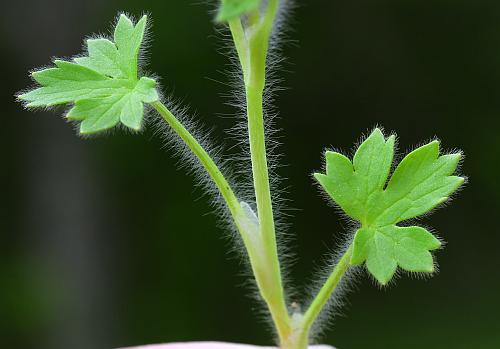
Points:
x=204 y=158
x=272 y=291
x=239 y=39
x=322 y=298
x=264 y=261
x=252 y=45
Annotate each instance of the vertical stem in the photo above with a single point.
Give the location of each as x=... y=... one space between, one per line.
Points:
x=255 y=81
x=252 y=45
x=272 y=292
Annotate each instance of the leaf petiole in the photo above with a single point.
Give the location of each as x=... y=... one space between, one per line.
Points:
x=220 y=181
x=322 y=298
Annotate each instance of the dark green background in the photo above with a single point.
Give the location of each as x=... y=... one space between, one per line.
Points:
x=105 y=243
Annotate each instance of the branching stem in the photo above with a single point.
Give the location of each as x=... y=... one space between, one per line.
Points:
x=264 y=261
x=252 y=45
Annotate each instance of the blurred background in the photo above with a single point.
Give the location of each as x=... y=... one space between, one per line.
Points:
x=106 y=243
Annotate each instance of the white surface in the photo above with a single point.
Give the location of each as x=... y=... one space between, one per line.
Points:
x=213 y=345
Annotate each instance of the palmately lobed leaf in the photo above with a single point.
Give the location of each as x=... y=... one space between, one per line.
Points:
x=103 y=87
x=422 y=181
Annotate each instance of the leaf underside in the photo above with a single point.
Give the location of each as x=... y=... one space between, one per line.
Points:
x=422 y=181
x=103 y=87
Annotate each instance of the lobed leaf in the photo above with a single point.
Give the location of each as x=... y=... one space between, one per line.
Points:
x=103 y=87
x=385 y=248
x=421 y=181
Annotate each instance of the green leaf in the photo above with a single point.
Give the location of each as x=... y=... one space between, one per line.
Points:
x=231 y=9
x=422 y=181
x=103 y=87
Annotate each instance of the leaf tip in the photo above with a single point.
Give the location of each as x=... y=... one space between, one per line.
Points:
x=142 y=21
x=29 y=103
x=461 y=181
x=333 y=155
x=318 y=176
x=435 y=143
x=124 y=17
x=330 y=154
x=436 y=244
x=85 y=131
x=391 y=139
x=135 y=128
x=455 y=157
x=377 y=132
x=383 y=281
x=124 y=22
x=20 y=96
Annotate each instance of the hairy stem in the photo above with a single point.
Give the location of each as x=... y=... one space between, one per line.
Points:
x=321 y=299
x=272 y=292
x=263 y=257
x=239 y=39
x=204 y=158
x=252 y=45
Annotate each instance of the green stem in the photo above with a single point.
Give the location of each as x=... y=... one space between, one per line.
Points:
x=272 y=292
x=258 y=233
x=204 y=158
x=239 y=39
x=264 y=262
x=252 y=46
x=321 y=299
x=269 y=18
